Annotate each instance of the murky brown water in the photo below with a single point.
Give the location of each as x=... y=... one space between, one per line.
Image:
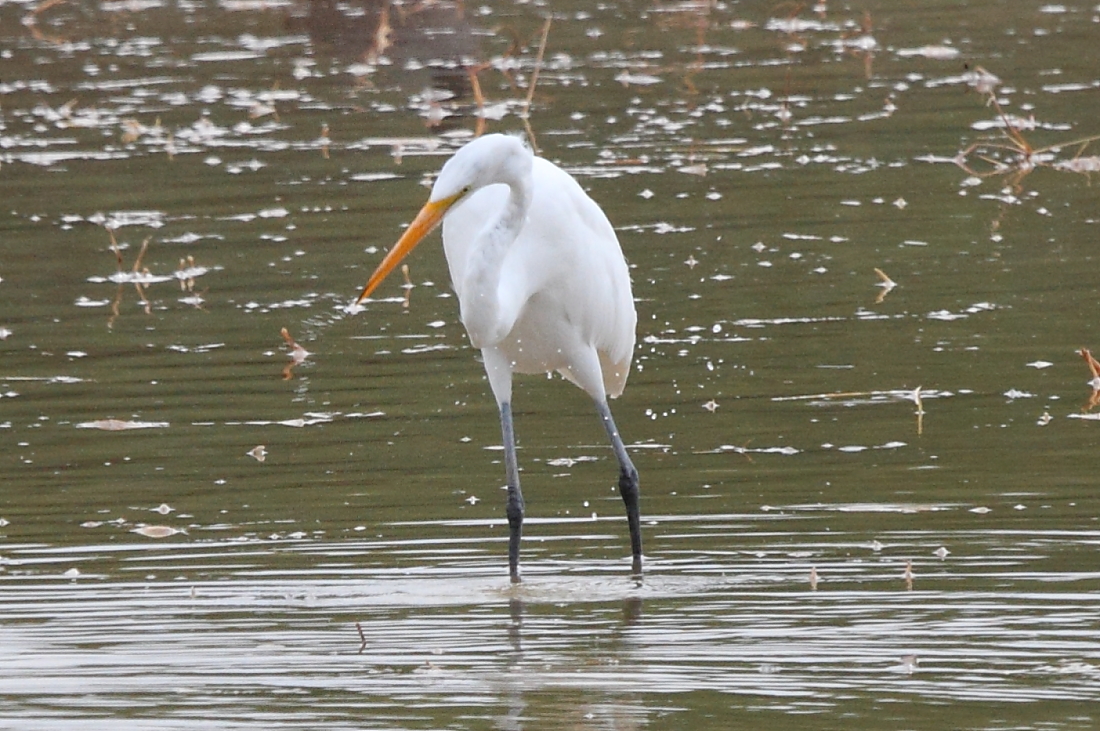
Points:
x=923 y=454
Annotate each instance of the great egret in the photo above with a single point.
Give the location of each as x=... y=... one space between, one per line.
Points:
x=542 y=286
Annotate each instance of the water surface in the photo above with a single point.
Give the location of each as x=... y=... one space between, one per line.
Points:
x=864 y=505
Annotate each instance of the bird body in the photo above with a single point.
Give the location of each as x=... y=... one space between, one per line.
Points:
x=558 y=288
x=542 y=286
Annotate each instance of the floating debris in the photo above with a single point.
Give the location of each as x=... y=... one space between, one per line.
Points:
x=938 y=53
x=635 y=79
x=1015 y=393
x=786 y=451
x=569 y=461
x=982 y=81
x=1083 y=165
x=156 y=531
x=310 y=419
x=909 y=664
x=121 y=425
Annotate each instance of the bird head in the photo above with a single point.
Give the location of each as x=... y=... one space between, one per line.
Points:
x=487 y=160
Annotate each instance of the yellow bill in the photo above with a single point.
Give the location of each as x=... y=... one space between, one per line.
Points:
x=424 y=223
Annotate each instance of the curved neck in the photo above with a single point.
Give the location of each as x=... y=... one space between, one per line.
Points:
x=500 y=233
x=486 y=314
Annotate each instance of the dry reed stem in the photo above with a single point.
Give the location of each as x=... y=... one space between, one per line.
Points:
x=1093 y=364
x=408 y=286
x=885 y=283
x=362 y=638
x=526 y=114
x=479 y=97
x=1029 y=157
x=298 y=354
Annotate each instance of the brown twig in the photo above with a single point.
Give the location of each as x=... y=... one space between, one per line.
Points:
x=1027 y=157
x=298 y=354
x=1094 y=369
x=1093 y=364
x=138 y=285
x=479 y=97
x=362 y=638
x=114 y=247
x=408 y=286
x=141 y=254
x=43 y=6
x=920 y=410
x=526 y=114
x=886 y=283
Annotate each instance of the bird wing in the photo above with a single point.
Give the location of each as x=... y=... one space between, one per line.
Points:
x=569 y=256
x=565 y=285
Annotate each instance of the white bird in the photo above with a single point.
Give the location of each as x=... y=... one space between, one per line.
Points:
x=542 y=286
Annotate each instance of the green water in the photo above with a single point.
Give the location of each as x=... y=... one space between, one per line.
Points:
x=789 y=416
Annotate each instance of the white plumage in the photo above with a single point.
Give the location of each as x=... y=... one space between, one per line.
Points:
x=542 y=286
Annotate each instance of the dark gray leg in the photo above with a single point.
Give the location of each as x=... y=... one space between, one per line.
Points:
x=514 y=508
x=628 y=484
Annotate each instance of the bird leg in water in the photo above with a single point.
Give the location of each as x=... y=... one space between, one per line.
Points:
x=514 y=507
x=628 y=484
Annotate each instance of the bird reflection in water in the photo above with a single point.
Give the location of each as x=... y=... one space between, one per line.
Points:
x=606 y=646
x=631 y=617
